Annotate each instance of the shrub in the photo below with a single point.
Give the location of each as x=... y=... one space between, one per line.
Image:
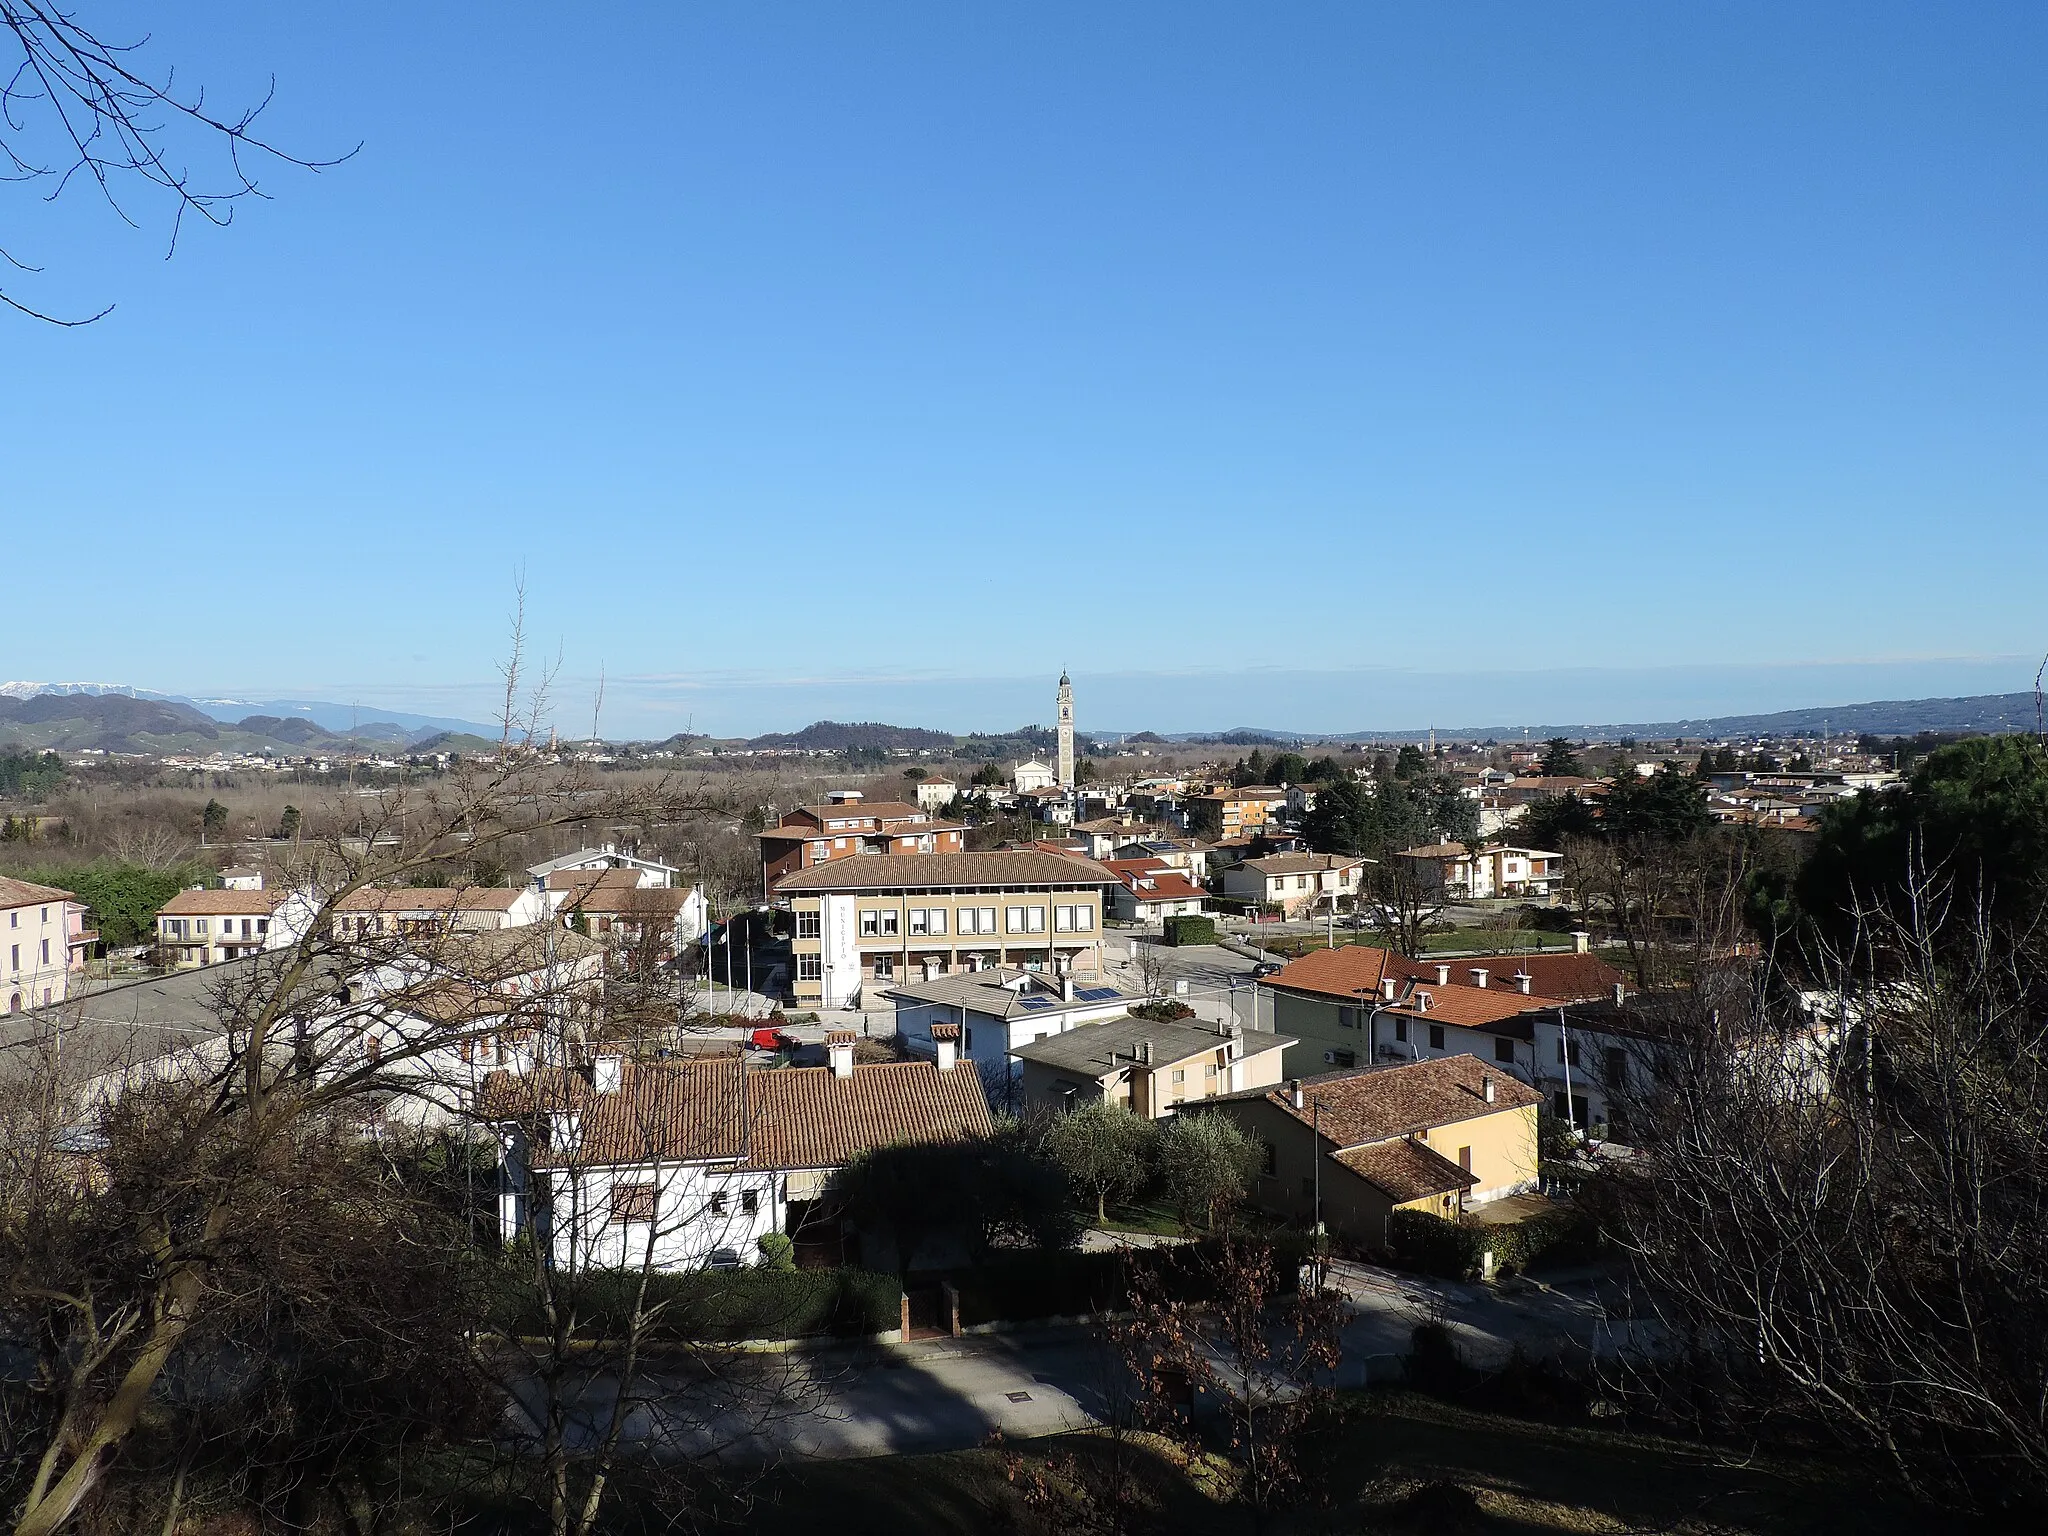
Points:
x=1034 y=1285
x=778 y=1253
x=1456 y=1250
x=713 y=1306
x=1162 y=1011
x=1190 y=930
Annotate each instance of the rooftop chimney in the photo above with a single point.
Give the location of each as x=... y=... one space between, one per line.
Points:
x=839 y=1052
x=1582 y=941
x=1387 y=989
x=1522 y=982
x=1294 y=1092
x=946 y=1037
x=1066 y=989
x=1486 y=1088
x=605 y=1073
x=1478 y=975
x=1443 y=975
x=1620 y=993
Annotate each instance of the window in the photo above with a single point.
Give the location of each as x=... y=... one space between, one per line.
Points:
x=870 y=925
x=632 y=1202
x=1465 y=1158
x=1347 y=1018
x=937 y=918
x=1062 y=919
x=1436 y=1037
x=1034 y=919
x=719 y=1202
x=1210 y=1070
x=1401 y=1031
x=46 y=951
x=807 y=925
x=1503 y=1050
x=1084 y=919
x=1617 y=1059
x=1272 y=1154
x=1561 y=1052
x=920 y=920
x=1180 y=1076
x=1013 y=919
x=263 y=925
x=984 y=919
x=15 y=959
x=820 y=851
x=885 y=967
x=750 y=1201
x=810 y=967
x=199 y=928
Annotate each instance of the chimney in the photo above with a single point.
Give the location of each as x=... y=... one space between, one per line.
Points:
x=1294 y=1092
x=1478 y=975
x=1486 y=1087
x=1582 y=941
x=1620 y=993
x=839 y=1052
x=1522 y=982
x=1386 y=989
x=1146 y=1047
x=946 y=1037
x=605 y=1073
x=1443 y=975
x=1066 y=989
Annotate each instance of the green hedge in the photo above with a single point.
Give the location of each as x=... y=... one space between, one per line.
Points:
x=1190 y=930
x=1456 y=1249
x=723 y=1305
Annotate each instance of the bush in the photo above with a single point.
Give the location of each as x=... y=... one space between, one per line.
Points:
x=718 y=1306
x=1164 y=1010
x=1456 y=1250
x=778 y=1253
x=1035 y=1285
x=1190 y=930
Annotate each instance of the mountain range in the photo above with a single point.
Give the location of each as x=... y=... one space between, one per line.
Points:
x=110 y=721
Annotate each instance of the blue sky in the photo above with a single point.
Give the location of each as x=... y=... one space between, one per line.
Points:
x=1314 y=366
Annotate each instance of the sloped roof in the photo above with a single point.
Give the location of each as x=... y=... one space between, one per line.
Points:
x=24 y=893
x=221 y=904
x=1370 y=1104
x=1300 y=863
x=430 y=899
x=1342 y=973
x=719 y=1109
x=1405 y=1170
x=999 y=870
x=994 y=993
x=1096 y=1050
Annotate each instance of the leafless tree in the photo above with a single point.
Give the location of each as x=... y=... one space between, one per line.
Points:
x=78 y=106
x=361 y=1021
x=1843 y=1198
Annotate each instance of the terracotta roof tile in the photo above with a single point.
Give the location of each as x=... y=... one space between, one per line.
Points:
x=429 y=899
x=719 y=1108
x=1405 y=1170
x=24 y=893
x=997 y=870
x=221 y=904
x=1373 y=1104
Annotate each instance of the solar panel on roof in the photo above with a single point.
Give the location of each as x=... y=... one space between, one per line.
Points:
x=1035 y=1002
x=1096 y=994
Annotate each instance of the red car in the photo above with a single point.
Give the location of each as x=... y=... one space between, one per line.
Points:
x=773 y=1040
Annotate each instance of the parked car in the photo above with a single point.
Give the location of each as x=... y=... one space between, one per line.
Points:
x=723 y=1258
x=773 y=1040
x=1266 y=968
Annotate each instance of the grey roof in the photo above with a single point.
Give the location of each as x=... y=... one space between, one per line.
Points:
x=984 y=992
x=585 y=856
x=1094 y=1049
x=1001 y=870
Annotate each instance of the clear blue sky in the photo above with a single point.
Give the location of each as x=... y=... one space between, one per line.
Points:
x=1351 y=365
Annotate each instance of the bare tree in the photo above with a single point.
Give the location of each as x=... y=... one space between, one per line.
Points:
x=1843 y=1196
x=77 y=106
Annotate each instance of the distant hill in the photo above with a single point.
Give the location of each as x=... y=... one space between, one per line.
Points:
x=832 y=736
x=1988 y=713
x=108 y=721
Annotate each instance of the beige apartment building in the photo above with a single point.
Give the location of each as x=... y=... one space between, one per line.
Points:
x=877 y=921
x=43 y=940
x=204 y=927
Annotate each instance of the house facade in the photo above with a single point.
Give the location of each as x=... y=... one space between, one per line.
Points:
x=875 y=922
x=1149 y=889
x=846 y=828
x=1474 y=874
x=1296 y=883
x=383 y=912
x=612 y=907
x=675 y=1163
x=650 y=872
x=1150 y=1068
x=1351 y=1148
x=43 y=941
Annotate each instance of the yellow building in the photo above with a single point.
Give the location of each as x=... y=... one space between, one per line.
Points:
x=1442 y=1136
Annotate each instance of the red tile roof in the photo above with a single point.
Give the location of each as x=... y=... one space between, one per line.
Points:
x=221 y=904
x=1405 y=1170
x=23 y=893
x=719 y=1109
x=427 y=899
x=1373 y=1104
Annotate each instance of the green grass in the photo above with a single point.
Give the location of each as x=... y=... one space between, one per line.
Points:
x=1490 y=940
x=1141 y=1216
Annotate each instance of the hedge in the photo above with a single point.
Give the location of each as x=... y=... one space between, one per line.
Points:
x=1457 y=1249
x=1189 y=930
x=1035 y=1285
x=723 y=1305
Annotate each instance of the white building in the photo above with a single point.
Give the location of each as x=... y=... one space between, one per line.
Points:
x=689 y=1162
x=936 y=794
x=43 y=940
x=1032 y=776
x=995 y=1012
x=1297 y=883
x=652 y=872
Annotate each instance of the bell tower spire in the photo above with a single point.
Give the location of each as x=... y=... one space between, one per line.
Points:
x=1066 y=732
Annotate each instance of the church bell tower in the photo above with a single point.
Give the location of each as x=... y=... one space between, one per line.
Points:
x=1066 y=733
